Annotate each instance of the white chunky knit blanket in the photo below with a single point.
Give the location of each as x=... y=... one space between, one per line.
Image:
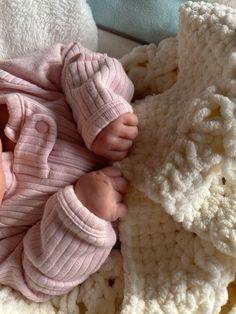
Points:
x=178 y=242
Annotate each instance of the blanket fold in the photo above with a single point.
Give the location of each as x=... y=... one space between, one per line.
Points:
x=191 y=126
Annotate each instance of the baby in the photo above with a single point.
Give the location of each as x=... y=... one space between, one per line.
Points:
x=64 y=114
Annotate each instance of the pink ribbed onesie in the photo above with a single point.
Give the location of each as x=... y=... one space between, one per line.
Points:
x=58 y=101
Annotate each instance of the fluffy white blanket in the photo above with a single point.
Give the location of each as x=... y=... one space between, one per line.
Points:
x=27 y=25
x=178 y=242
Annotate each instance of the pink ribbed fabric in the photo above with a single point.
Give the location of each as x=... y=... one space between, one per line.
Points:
x=58 y=101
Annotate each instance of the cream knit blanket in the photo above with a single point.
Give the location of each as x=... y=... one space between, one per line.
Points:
x=178 y=242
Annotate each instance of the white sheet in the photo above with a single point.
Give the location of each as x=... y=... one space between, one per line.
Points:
x=114 y=45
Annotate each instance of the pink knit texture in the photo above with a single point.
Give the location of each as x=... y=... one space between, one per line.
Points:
x=58 y=101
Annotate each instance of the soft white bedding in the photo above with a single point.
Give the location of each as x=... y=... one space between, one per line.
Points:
x=26 y=26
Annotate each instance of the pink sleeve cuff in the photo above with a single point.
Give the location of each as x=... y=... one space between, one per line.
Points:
x=96 y=88
x=82 y=222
